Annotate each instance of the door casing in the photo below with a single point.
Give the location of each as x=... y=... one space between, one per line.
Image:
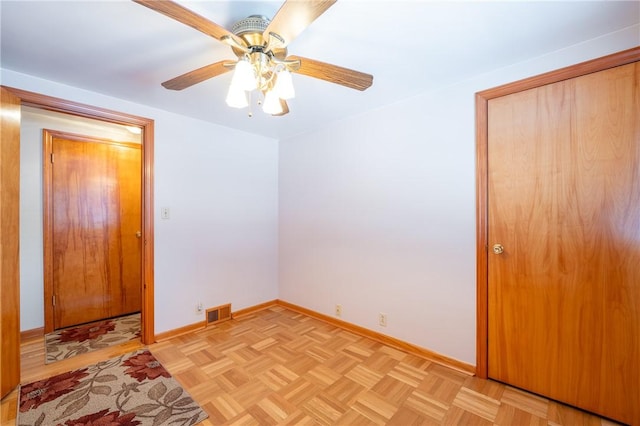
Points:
x=9 y=243
x=147 y=126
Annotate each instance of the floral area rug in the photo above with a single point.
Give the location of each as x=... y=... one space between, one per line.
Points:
x=68 y=342
x=132 y=389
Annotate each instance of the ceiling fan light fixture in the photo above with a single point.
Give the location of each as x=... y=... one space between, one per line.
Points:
x=284 y=85
x=261 y=47
x=244 y=76
x=261 y=71
x=236 y=97
x=271 y=103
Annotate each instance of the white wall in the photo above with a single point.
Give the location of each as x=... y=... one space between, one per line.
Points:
x=377 y=212
x=220 y=244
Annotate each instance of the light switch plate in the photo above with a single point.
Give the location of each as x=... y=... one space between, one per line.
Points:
x=165 y=212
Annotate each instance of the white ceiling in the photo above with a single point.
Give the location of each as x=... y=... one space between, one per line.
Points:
x=126 y=50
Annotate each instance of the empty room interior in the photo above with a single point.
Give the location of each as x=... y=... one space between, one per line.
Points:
x=328 y=212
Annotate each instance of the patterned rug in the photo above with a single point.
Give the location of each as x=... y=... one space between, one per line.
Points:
x=132 y=389
x=68 y=342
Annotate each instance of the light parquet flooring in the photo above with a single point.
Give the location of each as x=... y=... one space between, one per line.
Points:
x=279 y=367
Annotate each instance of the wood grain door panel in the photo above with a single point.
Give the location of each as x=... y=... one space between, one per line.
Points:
x=95 y=199
x=563 y=199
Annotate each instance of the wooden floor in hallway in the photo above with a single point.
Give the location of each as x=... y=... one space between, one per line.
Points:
x=280 y=367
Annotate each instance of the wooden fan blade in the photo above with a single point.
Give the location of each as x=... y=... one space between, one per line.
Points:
x=197 y=76
x=187 y=17
x=332 y=73
x=294 y=16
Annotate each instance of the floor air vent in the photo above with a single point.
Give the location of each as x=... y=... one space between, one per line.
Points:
x=218 y=314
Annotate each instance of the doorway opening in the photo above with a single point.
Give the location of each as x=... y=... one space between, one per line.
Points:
x=145 y=126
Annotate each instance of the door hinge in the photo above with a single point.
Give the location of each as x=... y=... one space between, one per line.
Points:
x=52 y=158
x=53 y=300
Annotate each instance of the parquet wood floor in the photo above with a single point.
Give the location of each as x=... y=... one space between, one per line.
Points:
x=279 y=367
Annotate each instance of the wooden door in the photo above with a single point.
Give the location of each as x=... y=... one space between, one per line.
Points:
x=9 y=242
x=564 y=202
x=93 y=193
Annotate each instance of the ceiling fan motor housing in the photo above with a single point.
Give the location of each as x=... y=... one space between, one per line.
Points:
x=251 y=30
x=252 y=24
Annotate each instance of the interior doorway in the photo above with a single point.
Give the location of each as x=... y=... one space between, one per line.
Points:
x=145 y=126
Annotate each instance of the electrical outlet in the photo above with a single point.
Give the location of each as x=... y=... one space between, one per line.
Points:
x=199 y=307
x=338 y=310
x=382 y=319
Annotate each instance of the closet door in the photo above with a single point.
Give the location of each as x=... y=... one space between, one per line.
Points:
x=93 y=229
x=564 y=241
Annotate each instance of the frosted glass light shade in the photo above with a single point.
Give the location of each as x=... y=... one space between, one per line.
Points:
x=243 y=76
x=284 y=85
x=271 y=103
x=236 y=97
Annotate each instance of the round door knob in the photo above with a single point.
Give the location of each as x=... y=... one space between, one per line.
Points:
x=498 y=249
x=139 y=234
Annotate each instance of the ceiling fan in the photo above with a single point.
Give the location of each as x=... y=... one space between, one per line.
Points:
x=261 y=47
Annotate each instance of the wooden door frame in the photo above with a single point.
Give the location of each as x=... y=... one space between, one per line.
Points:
x=147 y=125
x=9 y=242
x=482 y=168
